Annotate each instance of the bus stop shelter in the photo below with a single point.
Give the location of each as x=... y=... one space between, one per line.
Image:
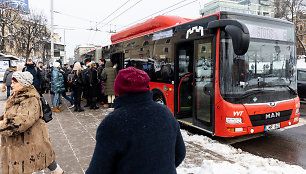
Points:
x=5 y=62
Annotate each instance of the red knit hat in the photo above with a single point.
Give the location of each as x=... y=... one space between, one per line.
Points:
x=131 y=80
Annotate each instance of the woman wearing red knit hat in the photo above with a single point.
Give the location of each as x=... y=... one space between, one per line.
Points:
x=139 y=136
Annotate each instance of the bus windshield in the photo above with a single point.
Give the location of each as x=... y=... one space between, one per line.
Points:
x=266 y=73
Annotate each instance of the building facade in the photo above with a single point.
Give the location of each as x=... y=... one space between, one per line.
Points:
x=255 y=7
x=301 y=34
x=81 y=51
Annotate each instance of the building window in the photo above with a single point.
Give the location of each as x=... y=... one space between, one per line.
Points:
x=11 y=44
x=141 y=49
x=168 y=40
x=10 y=28
x=145 y=43
x=166 y=50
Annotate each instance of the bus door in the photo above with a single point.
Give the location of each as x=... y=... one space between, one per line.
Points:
x=203 y=84
x=118 y=59
x=184 y=79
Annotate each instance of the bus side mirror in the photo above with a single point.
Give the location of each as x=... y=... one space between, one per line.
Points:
x=240 y=40
x=237 y=30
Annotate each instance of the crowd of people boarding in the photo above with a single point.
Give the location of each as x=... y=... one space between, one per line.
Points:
x=139 y=136
x=91 y=82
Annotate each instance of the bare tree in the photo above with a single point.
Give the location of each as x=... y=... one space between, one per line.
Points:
x=32 y=34
x=293 y=11
x=9 y=19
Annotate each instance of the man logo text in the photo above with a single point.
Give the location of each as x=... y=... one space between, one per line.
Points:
x=273 y=115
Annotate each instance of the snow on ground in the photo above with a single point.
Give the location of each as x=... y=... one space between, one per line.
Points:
x=207 y=156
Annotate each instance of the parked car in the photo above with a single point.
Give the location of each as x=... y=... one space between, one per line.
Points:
x=301 y=76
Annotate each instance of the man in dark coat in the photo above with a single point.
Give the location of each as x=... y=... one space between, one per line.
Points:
x=139 y=136
x=31 y=67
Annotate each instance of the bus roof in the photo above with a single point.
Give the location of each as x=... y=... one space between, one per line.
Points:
x=149 y=26
x=159 y=23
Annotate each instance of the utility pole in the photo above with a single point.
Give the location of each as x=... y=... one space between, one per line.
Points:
x=65 y=59
x=52 y=33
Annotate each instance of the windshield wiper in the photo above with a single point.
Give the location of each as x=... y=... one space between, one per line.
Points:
x=287 y=86
x=290 y=89
x=252 y=92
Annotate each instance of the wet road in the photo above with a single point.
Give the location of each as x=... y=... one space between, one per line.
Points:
x=288 y=145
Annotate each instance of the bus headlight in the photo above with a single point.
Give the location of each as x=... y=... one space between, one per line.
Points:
x=233 y=120
x=297 y=111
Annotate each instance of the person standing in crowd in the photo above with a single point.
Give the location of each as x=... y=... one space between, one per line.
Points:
x=101 y=96
x=57 y=86
x=31 y=67
x=93 y=86
x=20 y=67
x=7 y=79
x=86 y=83
x=110 y=73
x=140 y=135
x=48 y=76
x=25 y=143
x=65 y=73
x=42 y=75
x=77 y=86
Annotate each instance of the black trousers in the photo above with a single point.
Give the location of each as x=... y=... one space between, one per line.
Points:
x=77 y=96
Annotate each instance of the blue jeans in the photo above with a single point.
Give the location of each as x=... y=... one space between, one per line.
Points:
x=72 y=95
x=67 y=97
x=56 y=100
x=8 y=90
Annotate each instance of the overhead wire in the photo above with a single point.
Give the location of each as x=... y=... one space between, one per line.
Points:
x=76 y=17
x=181 y=6
x=122 y=13
x=113 y=12
x=153 y=14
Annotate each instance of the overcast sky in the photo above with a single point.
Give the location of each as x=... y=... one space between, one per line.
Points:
x=77 y=16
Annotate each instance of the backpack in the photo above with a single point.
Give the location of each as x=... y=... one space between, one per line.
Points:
x=103 y=75
x=72 y=80
x=86 y=77
x=47 y=112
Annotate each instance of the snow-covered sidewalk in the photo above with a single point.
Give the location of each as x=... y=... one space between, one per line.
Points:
x=207 y=156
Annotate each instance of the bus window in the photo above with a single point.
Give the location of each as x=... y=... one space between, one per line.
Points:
x=203 y=81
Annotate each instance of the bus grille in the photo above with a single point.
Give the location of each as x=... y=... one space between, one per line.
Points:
x=270 y=118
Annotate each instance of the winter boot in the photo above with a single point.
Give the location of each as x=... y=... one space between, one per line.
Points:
x=79 y=108
x=54 y=109
x=58 y=170
x=59 y=108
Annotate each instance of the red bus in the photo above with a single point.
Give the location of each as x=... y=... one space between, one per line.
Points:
x=228 y=74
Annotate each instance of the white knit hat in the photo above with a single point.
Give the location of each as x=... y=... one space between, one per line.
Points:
x=24 y=78
x=56 y=64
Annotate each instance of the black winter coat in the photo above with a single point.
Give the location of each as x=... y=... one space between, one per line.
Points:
x=93 y=87
x=37 y=80
x=139 y=136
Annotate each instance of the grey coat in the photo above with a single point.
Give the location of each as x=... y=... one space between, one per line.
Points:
x=111 y=74
x=7 y=79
